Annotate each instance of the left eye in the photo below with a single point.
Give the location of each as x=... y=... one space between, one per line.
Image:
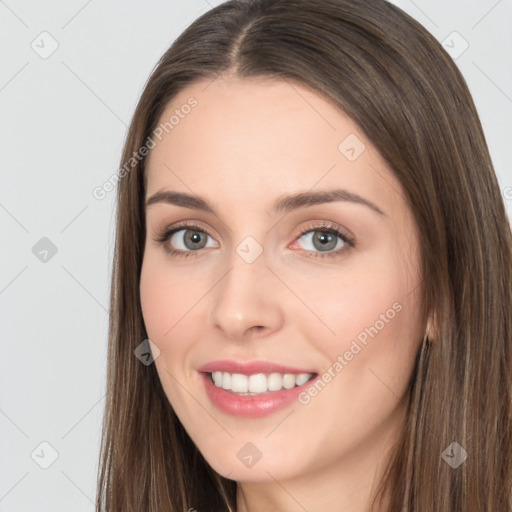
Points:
x=323 y=241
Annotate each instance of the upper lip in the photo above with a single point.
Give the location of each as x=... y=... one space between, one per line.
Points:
x=250 y=367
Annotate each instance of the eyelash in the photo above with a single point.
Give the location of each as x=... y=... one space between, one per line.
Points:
x=327 y=227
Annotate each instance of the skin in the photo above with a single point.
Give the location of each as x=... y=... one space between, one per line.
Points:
x=245 y=144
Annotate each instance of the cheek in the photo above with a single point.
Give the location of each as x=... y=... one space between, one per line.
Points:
x=369 y=358
x=174 y=317
x=349 y=300
x=165 y=298
x=369 y=314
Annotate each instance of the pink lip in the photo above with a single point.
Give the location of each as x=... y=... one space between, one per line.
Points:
x=250 y=367
x=251 y=406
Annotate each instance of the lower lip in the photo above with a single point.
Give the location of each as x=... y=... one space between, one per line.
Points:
x=255 y=406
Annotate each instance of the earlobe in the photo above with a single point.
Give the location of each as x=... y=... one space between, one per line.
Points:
x=431 y=331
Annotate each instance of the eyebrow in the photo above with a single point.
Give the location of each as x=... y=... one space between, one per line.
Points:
x=283 y=204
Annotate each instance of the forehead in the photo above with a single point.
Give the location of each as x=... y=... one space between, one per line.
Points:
x=257 y=139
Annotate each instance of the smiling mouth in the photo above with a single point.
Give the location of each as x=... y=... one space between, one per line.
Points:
x=258 y=383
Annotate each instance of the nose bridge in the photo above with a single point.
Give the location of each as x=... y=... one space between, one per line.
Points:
x=242 y=299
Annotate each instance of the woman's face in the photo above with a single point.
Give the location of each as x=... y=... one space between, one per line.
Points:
x=267 y=282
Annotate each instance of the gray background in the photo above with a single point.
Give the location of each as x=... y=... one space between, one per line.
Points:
x=64 y=117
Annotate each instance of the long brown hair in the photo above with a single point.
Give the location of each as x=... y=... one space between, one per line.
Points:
x=385 y=71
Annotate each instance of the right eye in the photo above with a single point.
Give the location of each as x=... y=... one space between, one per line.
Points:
x=184 y=239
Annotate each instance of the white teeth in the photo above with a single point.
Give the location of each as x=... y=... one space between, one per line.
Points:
x=302 y=378
x=289 y=381
x=226 y=380
x=217 y=379
x=275 y=382
x=258 y=382
x=239 y=383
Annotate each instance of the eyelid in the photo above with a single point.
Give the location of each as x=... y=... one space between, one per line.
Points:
x=167 y=231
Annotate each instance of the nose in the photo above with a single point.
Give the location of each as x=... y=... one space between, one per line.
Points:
x=246 y=302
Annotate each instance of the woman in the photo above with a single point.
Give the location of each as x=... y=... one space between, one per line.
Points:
x=311 y=294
